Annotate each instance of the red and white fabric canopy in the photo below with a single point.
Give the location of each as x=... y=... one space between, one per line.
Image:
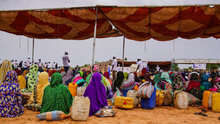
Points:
x=136 y=23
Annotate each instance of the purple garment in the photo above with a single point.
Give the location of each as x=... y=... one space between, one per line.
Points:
x=96 y=93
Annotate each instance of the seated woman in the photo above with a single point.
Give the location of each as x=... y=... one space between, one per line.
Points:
x=129 y=83
x=32 y=77
x=10 y=97
x=22 y=80
x=37 y=94
x=147 y=77
x=164 y=82
x=193 y=81
x=118 y=81
x=178 y=82
x=204 y=82
x=4 y=68
x=78 y=79
x=56 y=96
x=96 y=93
x=68 y=75
x=215 y=84
x=106 y=74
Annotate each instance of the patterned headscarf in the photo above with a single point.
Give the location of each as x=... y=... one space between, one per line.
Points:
x=5 y=67
x=11 y=77
x=32 y=77
x=56 y=79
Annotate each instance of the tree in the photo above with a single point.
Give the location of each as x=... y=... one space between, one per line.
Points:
x=212 y=66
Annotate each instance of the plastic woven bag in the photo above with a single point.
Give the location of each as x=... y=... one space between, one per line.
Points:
x=145 y=90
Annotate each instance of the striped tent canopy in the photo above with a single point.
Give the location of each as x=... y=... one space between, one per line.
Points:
x=135 y=23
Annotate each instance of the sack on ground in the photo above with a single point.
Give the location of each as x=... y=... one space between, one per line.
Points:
x=106 y=111
x=53 y=116
x=80 y=108
x=192 y=100
x=168 y=100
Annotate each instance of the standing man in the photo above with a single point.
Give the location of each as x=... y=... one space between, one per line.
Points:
x=158 y=68
x=114 y=67
x=66 y=62
x=40 y=64
x=28 y=63
x=15 y=64
x=139 y=67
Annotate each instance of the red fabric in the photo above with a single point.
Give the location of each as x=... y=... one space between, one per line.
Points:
x=106 y=74
x=143 y=71
x=193 y=84
x=18 y=72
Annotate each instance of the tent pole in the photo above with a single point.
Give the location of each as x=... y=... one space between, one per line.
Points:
x=123 y=53
x=33 y=51
x=94 y=39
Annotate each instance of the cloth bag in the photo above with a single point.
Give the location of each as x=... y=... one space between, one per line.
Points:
x=145 y=90
x=80 y=108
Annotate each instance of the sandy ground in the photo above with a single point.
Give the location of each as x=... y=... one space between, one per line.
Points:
x=159 y=115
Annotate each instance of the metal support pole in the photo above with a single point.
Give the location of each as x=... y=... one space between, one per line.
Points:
x=94 y=39
x=123 y=53
x=33 y=51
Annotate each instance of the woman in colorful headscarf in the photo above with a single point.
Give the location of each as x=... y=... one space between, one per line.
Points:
x=118 y=81
x=164 y=83
x=129 y=83
x=78 y=79
x=56 y=96
x=147 y=77
x=193 y=81
x=215 y=84
x=37 y=94
x=32 y=77
x=22 y=80
x=178 y=81
x=96 y=93
x=10 y=96
x=4 y=68
x=106 y=74
x=204 y=82
x=125 y=75
x=143 y=72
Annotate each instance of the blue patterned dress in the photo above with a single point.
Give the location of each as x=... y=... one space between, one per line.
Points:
x=10 y=97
